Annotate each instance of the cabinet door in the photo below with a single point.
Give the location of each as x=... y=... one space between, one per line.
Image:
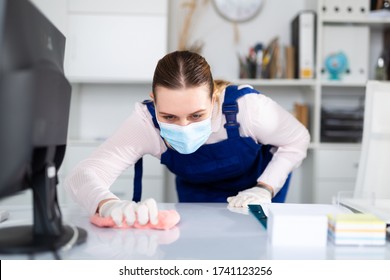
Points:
x=333 y=164
x=336 y=171
x=104 y=46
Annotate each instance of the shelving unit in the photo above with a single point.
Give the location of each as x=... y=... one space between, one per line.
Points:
x=336 y=164
x=371 y=22
x=276 y=82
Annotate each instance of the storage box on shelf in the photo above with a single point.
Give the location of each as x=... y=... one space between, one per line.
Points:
x=342 y=125
x=344 y=9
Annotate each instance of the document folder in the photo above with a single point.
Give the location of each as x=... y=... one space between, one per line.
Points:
x=303 y=39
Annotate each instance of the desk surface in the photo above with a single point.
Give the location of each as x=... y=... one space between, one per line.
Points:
x=206 y=231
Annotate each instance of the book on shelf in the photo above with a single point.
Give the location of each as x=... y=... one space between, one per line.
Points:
x=272 y=60
x=289 y=62
x=275 y=68
x=301 y=112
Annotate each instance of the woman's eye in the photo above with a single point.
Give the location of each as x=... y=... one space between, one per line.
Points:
x=169 y=118
x=196 y=116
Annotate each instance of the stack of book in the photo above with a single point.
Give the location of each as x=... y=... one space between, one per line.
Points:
x=356 y=229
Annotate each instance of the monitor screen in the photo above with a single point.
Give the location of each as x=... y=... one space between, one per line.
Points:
x=34 y=112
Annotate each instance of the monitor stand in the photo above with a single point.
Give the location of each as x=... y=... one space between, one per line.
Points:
x=47 y=232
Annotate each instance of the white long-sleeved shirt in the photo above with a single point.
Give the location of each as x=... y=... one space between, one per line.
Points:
x=259 y=116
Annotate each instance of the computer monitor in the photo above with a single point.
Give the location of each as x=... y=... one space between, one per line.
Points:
x=34 y=111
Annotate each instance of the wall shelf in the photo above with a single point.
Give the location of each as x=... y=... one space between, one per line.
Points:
x=339 y=146
x=343 y=84
x=370 y=21
x=277 y=82
x=98 y=80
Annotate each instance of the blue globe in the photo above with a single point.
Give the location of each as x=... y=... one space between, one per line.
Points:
x=336 y=64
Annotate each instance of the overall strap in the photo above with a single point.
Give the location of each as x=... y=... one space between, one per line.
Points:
x=150 y=105
x=230 y=108
x=137 y=182
x=138 y=168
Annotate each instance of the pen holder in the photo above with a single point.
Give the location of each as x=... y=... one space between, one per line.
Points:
x=247 y=70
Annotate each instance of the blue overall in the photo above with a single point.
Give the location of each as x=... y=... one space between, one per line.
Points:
x=216 y=171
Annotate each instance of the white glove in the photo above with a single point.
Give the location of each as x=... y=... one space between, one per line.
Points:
x=131 y=211
x=255 y=195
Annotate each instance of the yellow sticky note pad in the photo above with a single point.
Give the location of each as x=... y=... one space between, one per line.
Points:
x=356 y=229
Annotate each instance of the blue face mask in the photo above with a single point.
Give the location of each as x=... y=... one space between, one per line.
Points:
x=186 y=139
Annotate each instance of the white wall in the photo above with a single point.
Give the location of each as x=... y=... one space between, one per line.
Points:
x=220 y=48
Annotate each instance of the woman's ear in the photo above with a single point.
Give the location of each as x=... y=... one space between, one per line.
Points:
x=151 y=95
x=214 y=97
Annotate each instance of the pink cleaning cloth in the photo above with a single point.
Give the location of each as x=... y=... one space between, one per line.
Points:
x=167 y=219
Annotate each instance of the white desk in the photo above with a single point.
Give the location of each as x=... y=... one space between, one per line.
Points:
x=206 y=231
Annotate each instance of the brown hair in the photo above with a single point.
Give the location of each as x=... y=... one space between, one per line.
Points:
x=182 y=69
x=185 y=69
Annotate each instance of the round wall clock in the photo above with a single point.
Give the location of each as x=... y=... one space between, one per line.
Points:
x=238 y=10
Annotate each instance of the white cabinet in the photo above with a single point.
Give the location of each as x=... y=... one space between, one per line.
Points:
x=337 y=163
x=335 y=172
x=341 y=29
x=117 y=40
